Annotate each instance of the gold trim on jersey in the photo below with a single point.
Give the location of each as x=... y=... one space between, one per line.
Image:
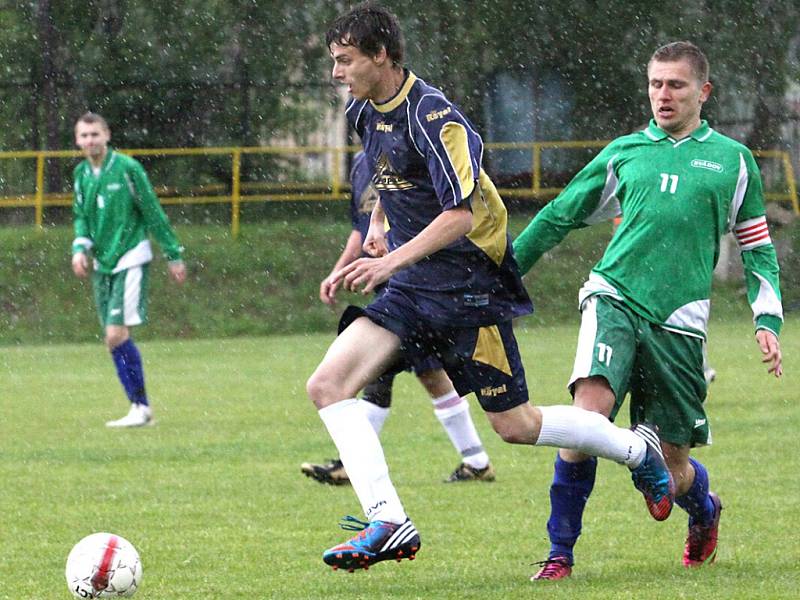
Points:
x=456 y=144
x=398 y=98
x=489 y=220
x=489 y=349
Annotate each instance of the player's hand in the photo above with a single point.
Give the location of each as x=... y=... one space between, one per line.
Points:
x=177 y=270
x=327 y=290
x=80 y=264
x=771 y=351
x=375 y=242
x=363 y=275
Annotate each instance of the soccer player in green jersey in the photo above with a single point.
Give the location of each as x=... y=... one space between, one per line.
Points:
x=115 y=208
x=679 y=186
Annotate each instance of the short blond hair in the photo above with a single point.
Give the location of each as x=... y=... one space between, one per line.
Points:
x=90 y=117
x=676 y=51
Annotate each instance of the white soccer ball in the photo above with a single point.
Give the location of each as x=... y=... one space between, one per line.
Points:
x=103 y=565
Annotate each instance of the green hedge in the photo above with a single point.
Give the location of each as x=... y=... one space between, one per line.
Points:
x=265 y=282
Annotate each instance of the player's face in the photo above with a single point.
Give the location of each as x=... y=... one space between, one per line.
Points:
x=676 y=96
x=361 y=73
x=92 y=139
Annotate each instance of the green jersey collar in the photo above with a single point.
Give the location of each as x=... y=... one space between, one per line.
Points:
x=106 y=161
x=655 y=133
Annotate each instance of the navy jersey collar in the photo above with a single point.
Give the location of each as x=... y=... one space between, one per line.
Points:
x=398 y=98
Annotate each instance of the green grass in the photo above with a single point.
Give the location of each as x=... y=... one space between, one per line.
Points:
x=213 y=499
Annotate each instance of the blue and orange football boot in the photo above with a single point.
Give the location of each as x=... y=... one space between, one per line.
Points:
x=375 y=541
x=652 y=477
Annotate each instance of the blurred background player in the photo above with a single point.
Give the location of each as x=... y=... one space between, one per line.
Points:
x=680 y=186
x=115 y=208
x=451 y=409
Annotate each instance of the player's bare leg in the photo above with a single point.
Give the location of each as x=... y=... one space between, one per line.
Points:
x=357 y=356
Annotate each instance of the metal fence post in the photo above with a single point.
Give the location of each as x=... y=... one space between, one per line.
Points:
x=235 y=196
x=39 y=199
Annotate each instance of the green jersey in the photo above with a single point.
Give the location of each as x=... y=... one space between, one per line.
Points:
x=115 y=208
x=676 y=198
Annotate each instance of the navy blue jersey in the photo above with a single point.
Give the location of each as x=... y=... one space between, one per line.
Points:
x=426 y=158
x=363 y=194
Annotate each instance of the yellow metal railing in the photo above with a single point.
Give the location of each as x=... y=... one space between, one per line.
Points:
x=332 y=189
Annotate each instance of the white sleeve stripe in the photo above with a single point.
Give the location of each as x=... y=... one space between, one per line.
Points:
x=608 y=205
x=456 y=198
x=738 y=195
x=767 y=302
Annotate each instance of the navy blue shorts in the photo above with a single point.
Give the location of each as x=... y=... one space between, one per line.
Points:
x=417 y=364
x=484 y=360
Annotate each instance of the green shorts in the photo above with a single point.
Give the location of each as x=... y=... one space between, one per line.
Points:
x=662 y=370
x=121 y=298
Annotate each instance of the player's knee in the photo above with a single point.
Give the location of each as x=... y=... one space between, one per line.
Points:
x=320 y=390
x=115 y=337
x=509 y=430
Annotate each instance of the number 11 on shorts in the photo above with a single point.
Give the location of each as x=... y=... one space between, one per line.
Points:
x=604 y=352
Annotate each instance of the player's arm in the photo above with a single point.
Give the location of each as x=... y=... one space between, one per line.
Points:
x=367 y=273
x=82 y=243
x=375 y=243
x=157 y=222
x=588 y=199
x=351 y=251
x=761 y=271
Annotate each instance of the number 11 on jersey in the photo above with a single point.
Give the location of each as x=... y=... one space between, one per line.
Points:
x=670 y=181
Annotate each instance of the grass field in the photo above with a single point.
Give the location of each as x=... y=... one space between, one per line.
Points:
x=213 y=498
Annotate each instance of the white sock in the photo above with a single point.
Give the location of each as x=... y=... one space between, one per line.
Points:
x=362 y=456
x=376 y=414
x=591 y=433
x=453 y=413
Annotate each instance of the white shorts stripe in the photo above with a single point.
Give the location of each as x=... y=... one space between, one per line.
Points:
x=133 y=294
x=586 y=338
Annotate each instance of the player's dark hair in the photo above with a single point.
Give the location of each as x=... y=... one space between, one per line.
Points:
x=90 y=117
x=676 y=51
x=369 y=28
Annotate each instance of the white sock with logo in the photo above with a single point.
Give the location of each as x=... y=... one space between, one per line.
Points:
x=453 y=413
x=363 y=459
x=591 y=433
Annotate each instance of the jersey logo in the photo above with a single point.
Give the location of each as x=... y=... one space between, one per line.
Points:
x=385 y=127
x=699 y=163
x=437 y=114
x=386 y=179
x=113 y=187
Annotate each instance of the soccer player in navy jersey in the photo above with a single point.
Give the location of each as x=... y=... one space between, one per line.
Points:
x=452 y=289
x=451 y=409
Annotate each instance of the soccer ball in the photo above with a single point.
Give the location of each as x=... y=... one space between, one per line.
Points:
x=103 y=565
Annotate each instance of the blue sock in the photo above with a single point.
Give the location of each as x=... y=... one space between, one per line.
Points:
x=571 y=487
x=130 y=372
x=696 y=501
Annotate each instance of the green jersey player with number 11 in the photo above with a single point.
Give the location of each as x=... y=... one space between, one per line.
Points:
x=679 y=186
